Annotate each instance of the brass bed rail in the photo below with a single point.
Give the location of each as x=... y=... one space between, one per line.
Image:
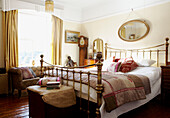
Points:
x=49 y=71
x=150 y=50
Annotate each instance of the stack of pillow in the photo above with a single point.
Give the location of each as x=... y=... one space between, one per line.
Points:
x=124 y=65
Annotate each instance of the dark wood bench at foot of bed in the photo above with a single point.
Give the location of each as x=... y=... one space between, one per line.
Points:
x=39 y=109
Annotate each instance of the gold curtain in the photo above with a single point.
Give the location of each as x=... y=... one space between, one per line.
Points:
x=57 y=32
x=10 y=37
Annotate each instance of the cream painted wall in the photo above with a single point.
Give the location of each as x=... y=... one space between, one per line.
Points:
x=157 y=17
x=1 y=44
x=69 y=49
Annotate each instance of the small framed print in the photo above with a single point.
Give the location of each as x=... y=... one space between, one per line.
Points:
x=71 y=36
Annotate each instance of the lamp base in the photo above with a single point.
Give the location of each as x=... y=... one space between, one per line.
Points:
x=90 y=57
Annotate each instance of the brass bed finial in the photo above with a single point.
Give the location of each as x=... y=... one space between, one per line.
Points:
x=106 y=51
x=99 y=86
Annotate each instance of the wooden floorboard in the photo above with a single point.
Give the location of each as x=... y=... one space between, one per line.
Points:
x=12 y=107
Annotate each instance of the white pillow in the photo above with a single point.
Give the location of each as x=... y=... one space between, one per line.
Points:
x=107 y=63
x=146 y=62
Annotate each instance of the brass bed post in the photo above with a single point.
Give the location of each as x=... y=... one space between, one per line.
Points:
x=73 y=80
x=80 y=90
x=57 y=72
x=41 y=62
x=143 y=54
x=120 y=54
x=45 y=71
x=67 y=76
x=52 y=71
x=88 y=111
x=167 y=44
x=157 y=58
x=150 y=54
x=105 y=51
x=61 y=75
x=99 y=86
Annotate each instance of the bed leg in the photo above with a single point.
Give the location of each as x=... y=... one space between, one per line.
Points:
x=99 y=86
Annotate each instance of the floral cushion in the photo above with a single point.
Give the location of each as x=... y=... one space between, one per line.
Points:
x=26 y=73
x=128 y=65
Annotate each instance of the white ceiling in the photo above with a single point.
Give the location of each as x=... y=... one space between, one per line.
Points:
x=86 y=10
x=81 y=3
x=72 y=3
x=93 y=3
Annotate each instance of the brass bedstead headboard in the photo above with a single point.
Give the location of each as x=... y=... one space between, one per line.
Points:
x=150 y=50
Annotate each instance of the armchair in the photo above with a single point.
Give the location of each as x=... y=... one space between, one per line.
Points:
x=17 y=80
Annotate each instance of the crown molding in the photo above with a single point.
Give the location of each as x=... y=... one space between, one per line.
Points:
x=72 y=21
x=122 y=12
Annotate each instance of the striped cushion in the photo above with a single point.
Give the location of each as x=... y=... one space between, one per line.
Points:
x=114 y=67
x=37 y=71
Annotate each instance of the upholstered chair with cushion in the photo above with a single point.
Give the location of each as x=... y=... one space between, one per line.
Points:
x=22 y=77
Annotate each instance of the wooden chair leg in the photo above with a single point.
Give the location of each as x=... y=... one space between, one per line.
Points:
x=19 y=93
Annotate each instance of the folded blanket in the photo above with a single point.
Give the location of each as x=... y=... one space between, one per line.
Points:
x=123 y=88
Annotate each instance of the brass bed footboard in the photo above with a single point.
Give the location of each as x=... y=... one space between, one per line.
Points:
x=53 y=71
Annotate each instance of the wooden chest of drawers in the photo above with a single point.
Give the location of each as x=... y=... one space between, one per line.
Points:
x=165 y=82
x=89 y=62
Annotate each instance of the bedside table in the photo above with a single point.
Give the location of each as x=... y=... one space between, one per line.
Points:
x=89 y=62
x=165 y=82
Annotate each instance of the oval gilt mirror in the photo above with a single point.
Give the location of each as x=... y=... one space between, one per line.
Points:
x=133 y=30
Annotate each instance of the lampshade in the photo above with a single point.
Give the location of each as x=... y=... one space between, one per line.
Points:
x=49 y=6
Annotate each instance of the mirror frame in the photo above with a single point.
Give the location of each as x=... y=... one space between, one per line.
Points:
x=94 y=44
x=147 y=26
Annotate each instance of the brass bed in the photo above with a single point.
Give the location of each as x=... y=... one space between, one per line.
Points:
x=54 y=70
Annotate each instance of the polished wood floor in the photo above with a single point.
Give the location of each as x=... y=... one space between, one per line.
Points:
x=12 y=107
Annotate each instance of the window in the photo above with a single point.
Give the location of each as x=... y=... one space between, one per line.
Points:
x=34 y=37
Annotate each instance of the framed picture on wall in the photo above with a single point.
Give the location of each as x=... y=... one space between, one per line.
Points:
x=71 y=36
